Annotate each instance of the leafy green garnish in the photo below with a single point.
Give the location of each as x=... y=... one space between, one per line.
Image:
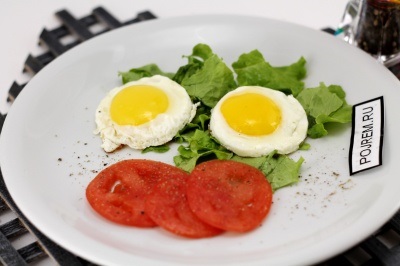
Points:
x=158 y=149
x=280 y=170
x=199 y=122
x=304 y=146
x=252 y=70
x=206 y=77
x=324 y=105
x=201 y=146
x=142 y=72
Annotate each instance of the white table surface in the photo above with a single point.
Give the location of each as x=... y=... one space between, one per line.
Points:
x=21 y=22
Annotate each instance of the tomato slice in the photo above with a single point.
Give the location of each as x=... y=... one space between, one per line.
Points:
x=229 y=195
x=118 y=192
x=168 y=207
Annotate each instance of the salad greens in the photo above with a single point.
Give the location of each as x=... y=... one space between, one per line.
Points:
x=253 y=70
x=143 y=72
x=324 y=105
x=207 y=78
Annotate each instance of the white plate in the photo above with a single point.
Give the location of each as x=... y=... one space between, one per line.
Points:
x=49 y=154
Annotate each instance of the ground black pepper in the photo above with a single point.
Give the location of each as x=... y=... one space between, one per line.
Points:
x=378 y=29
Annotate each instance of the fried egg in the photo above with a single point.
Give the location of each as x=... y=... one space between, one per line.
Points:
x=253 y=121
x=143 y=113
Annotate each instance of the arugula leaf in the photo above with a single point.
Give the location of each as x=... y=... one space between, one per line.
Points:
x=201 y=146
x=206 y=77
x=283 y=171
x=187 y=159
x=304 y=146
x=203 y=51
x=280 y=170
x=158 y=149
x=200 y=121
x=252 y=70
x=324 y=105
x=142 y=72
x=184 y=72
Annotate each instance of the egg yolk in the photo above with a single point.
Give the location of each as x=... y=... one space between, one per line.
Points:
x=138 y=104
x=251 y=114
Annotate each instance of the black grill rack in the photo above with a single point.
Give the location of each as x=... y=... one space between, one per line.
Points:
x=382 y=248
x=79 y=29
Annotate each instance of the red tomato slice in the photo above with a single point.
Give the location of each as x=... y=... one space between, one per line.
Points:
x=118 y=193
x=229 y=195
x=168 y=207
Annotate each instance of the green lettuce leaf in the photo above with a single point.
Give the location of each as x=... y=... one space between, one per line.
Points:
x=252 y=70
x=158 y=149
x=187 y=159
x=206 y=77
x=280 y=170
x=324 y=105
x=145 y=71
x=201 y=147
x=199 y=122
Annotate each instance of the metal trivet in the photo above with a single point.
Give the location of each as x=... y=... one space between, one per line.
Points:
x=383 y=248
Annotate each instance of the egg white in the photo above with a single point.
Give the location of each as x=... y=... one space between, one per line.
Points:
x=156 y=132
x=285 y=139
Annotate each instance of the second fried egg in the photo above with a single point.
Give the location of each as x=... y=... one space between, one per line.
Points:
x=253 y=121
x=143 y=113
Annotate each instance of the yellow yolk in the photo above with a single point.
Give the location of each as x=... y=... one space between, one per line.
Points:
x=251 y=114
x=139 y=104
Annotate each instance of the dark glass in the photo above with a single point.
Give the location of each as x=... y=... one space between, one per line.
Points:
x=378 y=27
